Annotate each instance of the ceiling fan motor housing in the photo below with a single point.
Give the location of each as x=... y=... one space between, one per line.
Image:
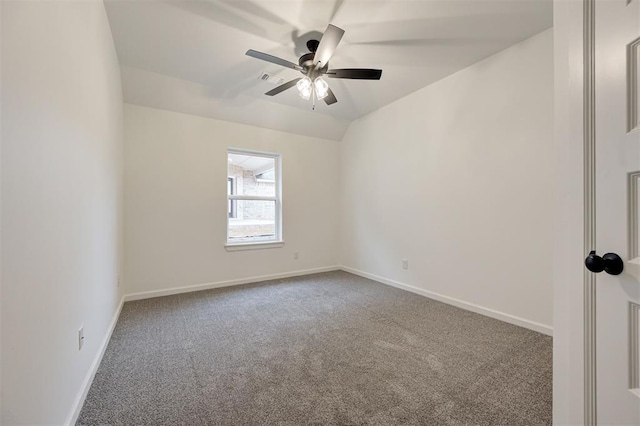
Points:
x=306 y=61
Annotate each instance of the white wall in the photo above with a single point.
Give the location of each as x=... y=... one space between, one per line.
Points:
x=61 y=211
x=458 y=179
x=176 y=207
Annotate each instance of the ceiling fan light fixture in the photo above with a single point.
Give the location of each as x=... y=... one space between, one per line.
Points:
x=314 y=65
x=305 y=88
x=321 y=87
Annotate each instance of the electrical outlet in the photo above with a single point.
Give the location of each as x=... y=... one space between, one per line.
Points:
x=296 y=255
x=405 y=264
x=80 y=337
x=118 y=281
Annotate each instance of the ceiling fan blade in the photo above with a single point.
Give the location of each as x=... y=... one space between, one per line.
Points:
x=356 y=73
x=273 y=59
x=283 y=87
x=330 y=98
x=328 y=44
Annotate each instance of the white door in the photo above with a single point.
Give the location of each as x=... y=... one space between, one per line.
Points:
x=616 y=116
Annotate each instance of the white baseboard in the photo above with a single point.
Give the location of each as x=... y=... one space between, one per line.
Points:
x=540 y=328
x=72 y=418
x=229 y=283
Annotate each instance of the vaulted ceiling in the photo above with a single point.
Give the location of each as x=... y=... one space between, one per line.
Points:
x=189 y=56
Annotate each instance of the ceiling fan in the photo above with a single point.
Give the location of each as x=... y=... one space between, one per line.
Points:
x=314 y=65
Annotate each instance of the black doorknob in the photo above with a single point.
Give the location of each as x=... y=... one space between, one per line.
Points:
x=611 y=263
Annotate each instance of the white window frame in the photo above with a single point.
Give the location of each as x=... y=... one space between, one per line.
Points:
x=231 y=206
x=277 y=241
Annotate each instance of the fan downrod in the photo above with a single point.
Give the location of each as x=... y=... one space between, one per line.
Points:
x=312 y=45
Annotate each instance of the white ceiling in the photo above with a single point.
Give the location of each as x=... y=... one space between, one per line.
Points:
x=189 y=56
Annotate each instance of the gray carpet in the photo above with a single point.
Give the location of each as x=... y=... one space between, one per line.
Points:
x=330 y=348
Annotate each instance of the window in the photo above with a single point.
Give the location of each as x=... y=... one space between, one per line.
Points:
x=253 y=199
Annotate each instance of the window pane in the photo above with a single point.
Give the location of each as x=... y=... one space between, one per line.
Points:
x=254 y=221
x=251 y=175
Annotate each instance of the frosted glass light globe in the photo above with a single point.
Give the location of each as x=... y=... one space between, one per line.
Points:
x=322 y=88
x=304 y=88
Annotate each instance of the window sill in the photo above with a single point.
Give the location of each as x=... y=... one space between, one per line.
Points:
x=254 y=245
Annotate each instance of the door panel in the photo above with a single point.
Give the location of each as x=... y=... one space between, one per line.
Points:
x=617 y=51
x=633 y=56
x=634 y=348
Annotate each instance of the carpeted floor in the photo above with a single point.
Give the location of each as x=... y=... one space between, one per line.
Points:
x=330 y=348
